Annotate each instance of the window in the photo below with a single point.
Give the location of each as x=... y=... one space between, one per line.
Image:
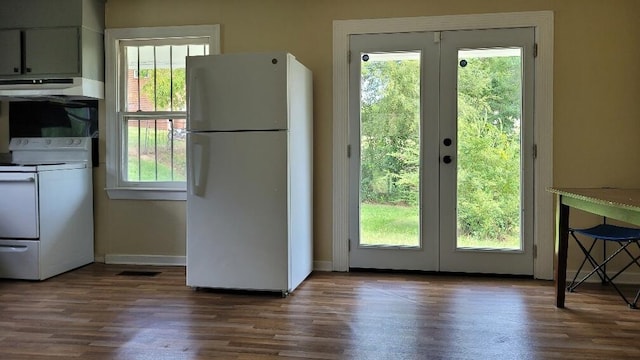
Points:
x=146 y=108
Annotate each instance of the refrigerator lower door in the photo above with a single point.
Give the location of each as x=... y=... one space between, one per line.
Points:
x=237 y=217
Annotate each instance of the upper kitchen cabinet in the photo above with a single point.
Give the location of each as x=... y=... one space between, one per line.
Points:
x=40 y=52
x=44 y=39
x=39 y=43
x=10 y=61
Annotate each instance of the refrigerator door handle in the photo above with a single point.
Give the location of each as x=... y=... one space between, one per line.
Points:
x=199 y=164
x=196 y=98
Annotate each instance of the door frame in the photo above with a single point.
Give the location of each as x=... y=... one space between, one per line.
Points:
x=542 y=21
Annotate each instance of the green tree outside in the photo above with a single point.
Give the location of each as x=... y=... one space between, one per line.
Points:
x=166 y=87
x=390 y=126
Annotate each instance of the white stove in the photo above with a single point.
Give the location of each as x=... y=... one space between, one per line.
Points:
x=46 y=207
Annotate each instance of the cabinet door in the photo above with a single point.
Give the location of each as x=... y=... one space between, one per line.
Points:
x=10 y=50
x=52 y=51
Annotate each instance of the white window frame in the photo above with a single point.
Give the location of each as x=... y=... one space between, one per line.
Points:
x=116 y=187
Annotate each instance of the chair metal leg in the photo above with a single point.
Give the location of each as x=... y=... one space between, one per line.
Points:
x=624 y=237
x=600 y=269
x=635 y=301
x=604 y=256
x=594 y=264
x=634 y=260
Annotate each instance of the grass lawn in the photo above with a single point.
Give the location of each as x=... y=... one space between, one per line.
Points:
x=395 y=225
x=389 y=225
x=149 y=157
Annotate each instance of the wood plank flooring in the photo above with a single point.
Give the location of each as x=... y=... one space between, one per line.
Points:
x=94 y=313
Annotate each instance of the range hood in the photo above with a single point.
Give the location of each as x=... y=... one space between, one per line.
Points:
x=75 y=88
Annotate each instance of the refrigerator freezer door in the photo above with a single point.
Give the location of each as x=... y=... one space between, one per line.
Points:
x=237 y=92
x=237 y=220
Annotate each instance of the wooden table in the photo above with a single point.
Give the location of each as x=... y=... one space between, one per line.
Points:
x=619 y=204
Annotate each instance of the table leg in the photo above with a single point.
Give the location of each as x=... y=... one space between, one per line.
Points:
x=562 y=243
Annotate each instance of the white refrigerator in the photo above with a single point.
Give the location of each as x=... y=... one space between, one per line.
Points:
x=249 y=172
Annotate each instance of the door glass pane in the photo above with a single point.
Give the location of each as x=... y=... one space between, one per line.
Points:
x=488 y=150
x=390 y=149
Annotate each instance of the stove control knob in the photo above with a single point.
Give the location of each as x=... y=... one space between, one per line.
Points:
x=69 y=142
x=48 y=142
x=76 y=141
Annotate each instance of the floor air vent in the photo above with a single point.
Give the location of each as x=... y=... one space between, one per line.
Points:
x=138 y=273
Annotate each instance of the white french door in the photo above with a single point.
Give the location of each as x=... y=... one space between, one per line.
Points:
x=393 y=102
x=441 y=163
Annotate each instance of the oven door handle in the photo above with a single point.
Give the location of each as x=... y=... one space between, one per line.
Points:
x=13 y=248
x=28 y=179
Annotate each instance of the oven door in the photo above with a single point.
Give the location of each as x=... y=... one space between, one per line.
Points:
x=19 y=206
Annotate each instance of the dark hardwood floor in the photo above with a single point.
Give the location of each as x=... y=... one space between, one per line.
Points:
x=94 y=313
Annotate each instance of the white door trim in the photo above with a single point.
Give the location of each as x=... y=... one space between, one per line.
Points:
x=543 y=113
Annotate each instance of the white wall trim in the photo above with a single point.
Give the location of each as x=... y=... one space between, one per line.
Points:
x=543 y=132
x=146 y=194
x=160 y=260
x=627 y=277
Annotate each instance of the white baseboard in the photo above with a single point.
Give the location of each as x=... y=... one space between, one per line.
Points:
x=627 y=277
x=158 y=260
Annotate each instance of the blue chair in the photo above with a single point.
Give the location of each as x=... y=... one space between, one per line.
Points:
x=606 y=233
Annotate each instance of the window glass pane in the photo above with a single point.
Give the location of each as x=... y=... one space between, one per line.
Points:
x=178 y=78
x=139 y=84
x=197 y=50
x=155 y=81
x=162 y=79
x=146 y=91
x=132 y=78
x=156 y=150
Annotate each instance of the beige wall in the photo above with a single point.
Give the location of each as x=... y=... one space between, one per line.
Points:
x=596 y=93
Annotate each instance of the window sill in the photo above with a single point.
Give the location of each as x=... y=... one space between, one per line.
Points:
x=147 y=194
